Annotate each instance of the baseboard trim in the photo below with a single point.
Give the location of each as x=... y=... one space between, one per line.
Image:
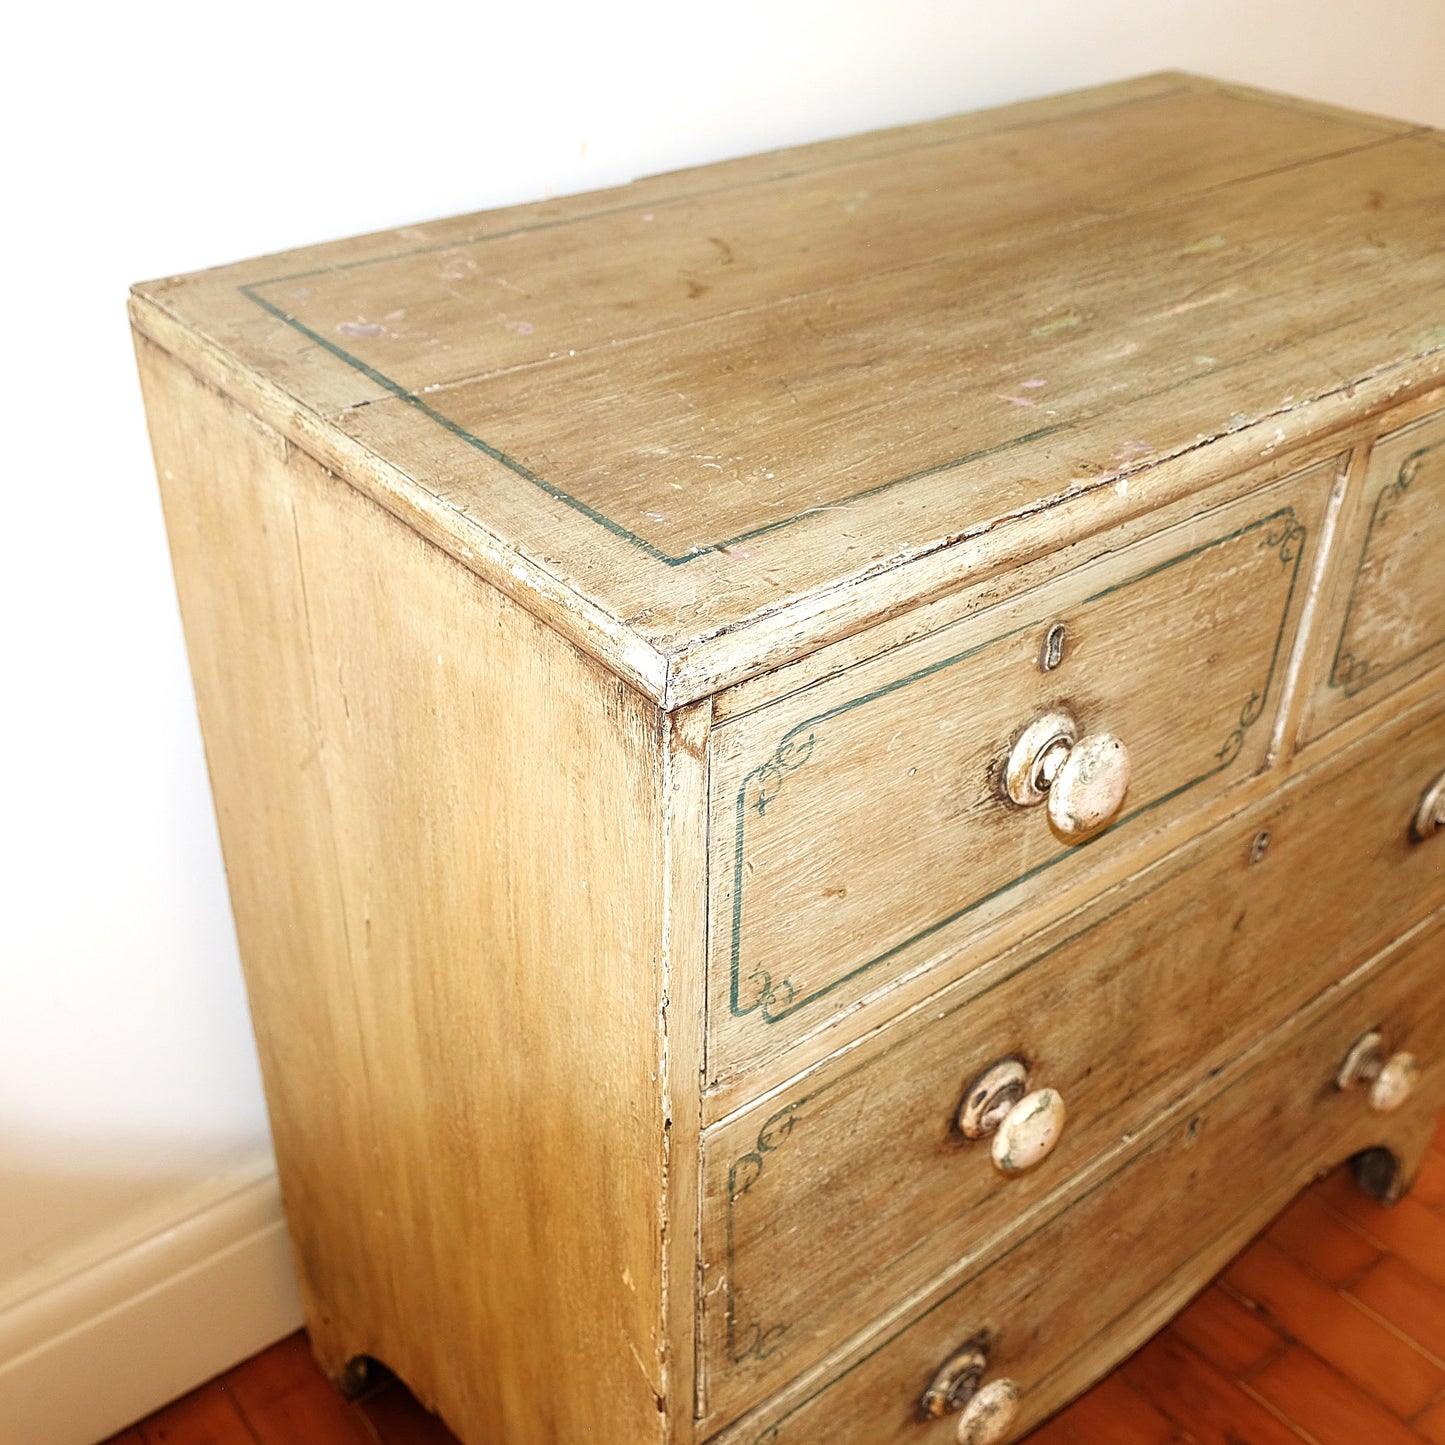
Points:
x=94 y=1351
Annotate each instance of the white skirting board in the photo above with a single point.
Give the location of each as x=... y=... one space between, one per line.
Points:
x=102 y=1346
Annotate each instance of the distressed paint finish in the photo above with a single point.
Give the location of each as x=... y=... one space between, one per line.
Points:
x=1028 y=1132
x=1090 y=787
x=611 y=619
x=1104 y=1259
x=433 y=919
x=860 y=829
x=1386 y=623
x=789 y=381
x=1121 y=1008
x=989 y=1417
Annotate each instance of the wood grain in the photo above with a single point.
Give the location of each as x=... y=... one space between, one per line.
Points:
x=609 y=619
x=1235 y=1358
x=1385 y=624
x=1331 y=1326
x=1121 y=1008
x=858 y=828
x=789 y=387
x=443 y=831
x=1120 y=1268
x=1190 y=1389
x=1326 y=1406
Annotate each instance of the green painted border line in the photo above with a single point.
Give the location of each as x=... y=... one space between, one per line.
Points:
x=252 y=290
x=560 y=494
x=626 y=534
x=448 y=425
x=1323 y=1007
x=1355 y=682
x=764 y=1343
x=774 y=1002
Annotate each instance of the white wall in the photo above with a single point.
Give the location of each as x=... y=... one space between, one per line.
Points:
x=153 y=138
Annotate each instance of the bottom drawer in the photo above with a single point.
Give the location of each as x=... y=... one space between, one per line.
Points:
x=1237 y=1150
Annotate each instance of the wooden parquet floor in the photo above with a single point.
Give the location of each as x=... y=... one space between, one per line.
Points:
x=1329 y=1329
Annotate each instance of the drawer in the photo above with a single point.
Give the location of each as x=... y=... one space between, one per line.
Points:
x=1386 y=624
x=859 y=828
x=1236 y=1151
x=1120 y=1009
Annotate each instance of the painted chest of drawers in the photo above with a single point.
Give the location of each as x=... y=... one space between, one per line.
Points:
x=830 y=766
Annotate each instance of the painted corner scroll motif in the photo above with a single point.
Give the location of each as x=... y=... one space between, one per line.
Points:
x=759 y=988
x=1389 y=620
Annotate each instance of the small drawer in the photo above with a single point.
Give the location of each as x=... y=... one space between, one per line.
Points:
x=860 y=828
x=1117 y=1010
x=1386 y=622
x=1230 y=1154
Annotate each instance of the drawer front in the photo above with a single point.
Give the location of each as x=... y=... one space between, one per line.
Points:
x=1236 y=1154
x=1386 y=625
x=1120 y=1009
x=859 y=829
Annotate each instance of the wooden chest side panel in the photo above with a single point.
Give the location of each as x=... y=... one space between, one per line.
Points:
x=443 y=832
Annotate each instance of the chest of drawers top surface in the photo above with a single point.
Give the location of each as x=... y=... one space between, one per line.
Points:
x=710 y=421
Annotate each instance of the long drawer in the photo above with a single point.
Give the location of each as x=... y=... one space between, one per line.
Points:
x=1236 y=1148
x=1119 y=1009
x=860 y=828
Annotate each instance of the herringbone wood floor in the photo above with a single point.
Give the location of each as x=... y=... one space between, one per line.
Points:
x=1329 y=1329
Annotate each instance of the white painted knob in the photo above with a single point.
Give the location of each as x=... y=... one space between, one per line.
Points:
x=1391 y=1080
x=1089 y=788
x=1029 y=1131
x=988 y=1418
x=1394 y=1083
x=1083 y=780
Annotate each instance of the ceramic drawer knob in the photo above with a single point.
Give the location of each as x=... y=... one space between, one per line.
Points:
x=1395 y=1084
x=1024 y=1125
x=989 y=1417
x=1083 y=780
x=1391 y=1079
x=1029 y=1131
x=1430 y=815
x=986 y=1411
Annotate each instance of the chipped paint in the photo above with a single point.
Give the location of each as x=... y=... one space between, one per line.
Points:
x=1198 y=304
x=1058 y=323
x=990 y=1415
